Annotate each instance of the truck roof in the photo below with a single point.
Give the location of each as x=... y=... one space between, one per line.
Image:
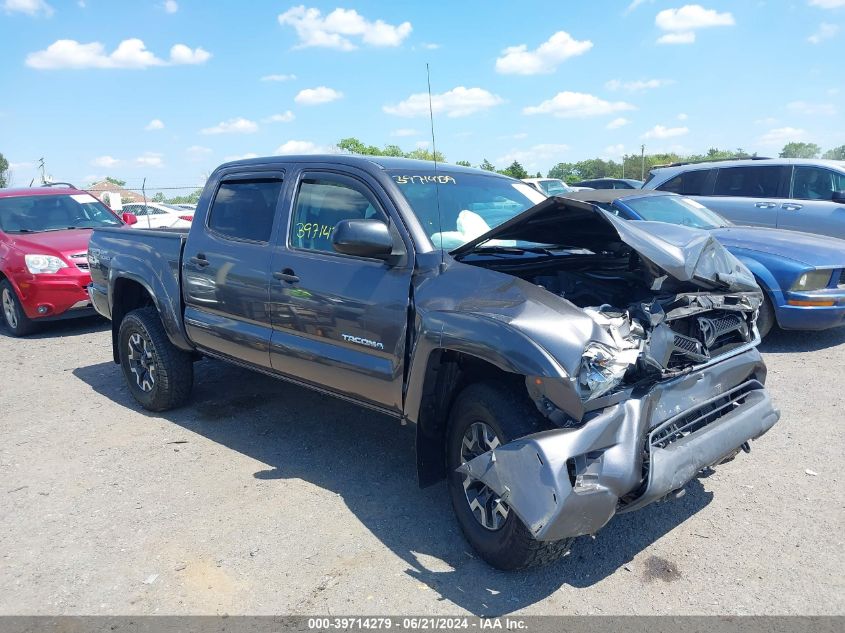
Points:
x=356 y=160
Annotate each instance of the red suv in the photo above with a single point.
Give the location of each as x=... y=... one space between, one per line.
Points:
x=44 y=253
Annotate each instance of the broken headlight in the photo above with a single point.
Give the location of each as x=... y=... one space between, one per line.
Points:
x=602 y=369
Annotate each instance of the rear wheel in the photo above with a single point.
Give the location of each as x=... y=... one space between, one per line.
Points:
x=14 y=317
x=486 y=415
x=159 y=374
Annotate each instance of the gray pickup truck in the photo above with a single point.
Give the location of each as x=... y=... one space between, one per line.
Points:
x=560 y=365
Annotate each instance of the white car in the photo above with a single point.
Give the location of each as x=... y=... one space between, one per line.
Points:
x=158 y=215
x=552 y=186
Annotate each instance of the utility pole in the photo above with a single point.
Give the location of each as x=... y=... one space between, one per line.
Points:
x=642 y=162
x=41 y=167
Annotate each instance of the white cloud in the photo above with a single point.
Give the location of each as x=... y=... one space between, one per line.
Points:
x=430 y=46
x=812 y=109
x=458 y=102
x=198 y=152
x=155 y=124
x=682 y=116
x=240 y=157
x=302 y=147
x=336 y=28
x=518 y=60
x=533 y=155
x=614 y=151
x=285 y=117
x=404 y=131
x=617 y=123
x=23 y=165
x=827 y=4
x=316 y=96
x=238 y=125
x=781 y=136
x=686 y=37
x=661 y=132
x=29 y=7
x=637 y=86
x=130 y=53
x=278 y=78
x=170 y=6
x=181 y=54
x=105 y=161
x=150 y=159
x=769 y=120
x=576 y=105
x=634 y=4
x=825 y=32
x=681 y=24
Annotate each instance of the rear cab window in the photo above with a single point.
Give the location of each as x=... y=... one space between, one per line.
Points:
x=244 y=209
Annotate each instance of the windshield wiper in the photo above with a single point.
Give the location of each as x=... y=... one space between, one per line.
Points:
x=507 y=250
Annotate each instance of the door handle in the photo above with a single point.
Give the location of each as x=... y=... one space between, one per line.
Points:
x=199 y=260
x=286 y=275
x=790 y=206
x=765 y=205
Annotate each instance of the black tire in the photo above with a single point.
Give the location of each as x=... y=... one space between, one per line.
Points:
x=17 y=323
x=510 y=415
x=165 y=380
x=766 y=317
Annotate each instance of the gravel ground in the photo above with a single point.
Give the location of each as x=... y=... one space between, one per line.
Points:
x=260 y=497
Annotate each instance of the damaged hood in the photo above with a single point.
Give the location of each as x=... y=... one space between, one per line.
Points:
x=683 y=253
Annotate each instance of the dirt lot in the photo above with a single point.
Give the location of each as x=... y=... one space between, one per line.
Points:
x=261 y=497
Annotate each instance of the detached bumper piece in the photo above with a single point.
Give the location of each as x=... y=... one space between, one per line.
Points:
x=569 y=482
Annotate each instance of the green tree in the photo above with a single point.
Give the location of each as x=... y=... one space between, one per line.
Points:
x=191 y=198
x=463 y=163
x=800 y=150
x=392 y=150
x=4 y=172
x=837 y=153
x=115 y=181
x=159 y=197
x=423 y=154
x=515 y=170
x=486 y=165
x=354 y=146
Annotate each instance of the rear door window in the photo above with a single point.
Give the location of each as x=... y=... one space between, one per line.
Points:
x=748 y=182
x=245 y=209
x=688 y=183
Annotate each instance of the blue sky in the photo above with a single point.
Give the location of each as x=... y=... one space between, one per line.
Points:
x=545 y=83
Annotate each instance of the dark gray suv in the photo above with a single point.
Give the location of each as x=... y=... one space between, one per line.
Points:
x=798 y=194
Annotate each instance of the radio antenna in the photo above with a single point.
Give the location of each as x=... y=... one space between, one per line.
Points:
x=436 y=182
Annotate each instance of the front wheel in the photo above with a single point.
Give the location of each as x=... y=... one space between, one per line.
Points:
x=14 y=317
x=484 y=416
x=159 y=374
x=766 y=316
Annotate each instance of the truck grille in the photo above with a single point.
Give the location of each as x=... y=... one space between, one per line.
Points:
x=700 y=416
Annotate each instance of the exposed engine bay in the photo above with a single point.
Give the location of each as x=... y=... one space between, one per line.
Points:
x=658 y=326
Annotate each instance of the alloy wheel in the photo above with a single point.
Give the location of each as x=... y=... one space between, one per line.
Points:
x=486 y=506
x=10 y=310
x=141 y=362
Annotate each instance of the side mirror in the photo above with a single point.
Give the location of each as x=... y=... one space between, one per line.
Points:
x=362 y=238
x=838 y=196
x=129 y=218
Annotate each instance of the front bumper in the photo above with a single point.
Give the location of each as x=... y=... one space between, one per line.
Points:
x=57 y=296
x=568 y=482
x=806 y=316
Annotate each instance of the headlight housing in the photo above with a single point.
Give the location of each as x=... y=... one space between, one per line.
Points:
x=812 y=280
x=602 y=369
x=41 y=264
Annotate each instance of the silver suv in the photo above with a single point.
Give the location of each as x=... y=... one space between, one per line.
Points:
x=787 y=193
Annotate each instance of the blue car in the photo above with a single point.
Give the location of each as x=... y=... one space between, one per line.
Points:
x=802 y=274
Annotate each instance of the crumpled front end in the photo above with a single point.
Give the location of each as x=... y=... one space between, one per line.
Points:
x=570 y=481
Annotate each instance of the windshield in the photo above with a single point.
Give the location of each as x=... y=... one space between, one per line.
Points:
x=676 y=210
x=554 y=187
x=33 y=214
x=470 y=204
